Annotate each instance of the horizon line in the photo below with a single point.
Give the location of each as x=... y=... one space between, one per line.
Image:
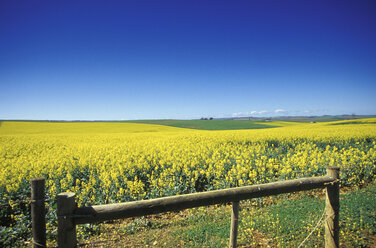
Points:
x=201 y=118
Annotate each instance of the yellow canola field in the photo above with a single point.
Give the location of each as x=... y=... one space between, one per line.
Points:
x=113 y=162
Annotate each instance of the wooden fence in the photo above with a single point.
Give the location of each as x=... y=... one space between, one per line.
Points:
x=69 y=215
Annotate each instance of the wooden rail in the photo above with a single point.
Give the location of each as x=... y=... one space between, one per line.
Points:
x=69 y=215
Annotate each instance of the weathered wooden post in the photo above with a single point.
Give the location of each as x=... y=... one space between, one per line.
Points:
x=38 y=213
x=332 y=209
x=234 y=224
x=66 y=228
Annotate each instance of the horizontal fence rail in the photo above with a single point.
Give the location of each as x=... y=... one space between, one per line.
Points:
x=99 y=213
x=69 y=215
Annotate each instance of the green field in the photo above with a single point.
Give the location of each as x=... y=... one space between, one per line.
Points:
x=214 y=124
x=228 y=124
x=225 y=124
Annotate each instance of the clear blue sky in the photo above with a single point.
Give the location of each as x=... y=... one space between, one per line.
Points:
x=108 y=60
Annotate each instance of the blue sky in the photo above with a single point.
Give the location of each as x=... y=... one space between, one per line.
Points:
x=109 y=60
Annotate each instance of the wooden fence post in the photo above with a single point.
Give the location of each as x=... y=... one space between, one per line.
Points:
x=234 y=224
x=332 y=210
x=66 y=229
x=38 y=213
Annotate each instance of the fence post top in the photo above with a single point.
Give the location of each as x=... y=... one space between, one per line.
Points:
x=37 y=179
x=333 y=168
x=333 y=171
x=66 y=195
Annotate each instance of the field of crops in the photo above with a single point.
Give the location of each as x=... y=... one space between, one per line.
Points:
x=117 y=162
x=215 y=124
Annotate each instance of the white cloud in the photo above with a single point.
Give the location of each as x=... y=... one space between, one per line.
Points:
x=254 y=112
x=314 y=111
x=238 y=114
x=280 y=111
x=259 y=113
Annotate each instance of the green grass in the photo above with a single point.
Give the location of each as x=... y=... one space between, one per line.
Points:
x=279 y=221
x=211 y=124
x=205 y=228
x=287 y=223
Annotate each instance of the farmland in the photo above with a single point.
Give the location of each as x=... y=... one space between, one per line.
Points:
x=117 y=162
x=215 y=124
